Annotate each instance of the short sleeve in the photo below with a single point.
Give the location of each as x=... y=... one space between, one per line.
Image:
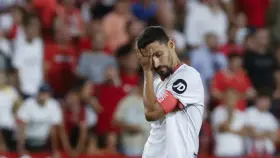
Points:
x=56 y=114
x=187 y=87
x=23 y=112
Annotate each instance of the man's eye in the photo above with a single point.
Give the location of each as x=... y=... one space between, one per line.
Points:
x=158 y=55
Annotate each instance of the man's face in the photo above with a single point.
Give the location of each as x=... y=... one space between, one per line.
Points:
x=161 y=57
x=263 y=37
x=43 y=96
x=33 y=28
x=236 y=63
x=212 y=42
x=263 y=103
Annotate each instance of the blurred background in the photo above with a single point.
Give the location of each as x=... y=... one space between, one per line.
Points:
x=70 y=82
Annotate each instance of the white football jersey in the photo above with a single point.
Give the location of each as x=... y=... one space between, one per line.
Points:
x=177 y=134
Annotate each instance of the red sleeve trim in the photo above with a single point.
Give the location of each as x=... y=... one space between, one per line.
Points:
x=168 y=102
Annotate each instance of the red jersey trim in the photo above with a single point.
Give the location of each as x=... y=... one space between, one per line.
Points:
x=176 y=68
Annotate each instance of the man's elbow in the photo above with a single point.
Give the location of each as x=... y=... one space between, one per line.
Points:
x=152 y=116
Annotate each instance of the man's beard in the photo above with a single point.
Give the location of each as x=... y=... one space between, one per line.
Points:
x=163 y=71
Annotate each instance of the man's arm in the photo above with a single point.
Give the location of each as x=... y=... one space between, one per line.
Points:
x=21 y=138
x=54 y=142
x=153 y=110
x=64 y=138
x=82 y=137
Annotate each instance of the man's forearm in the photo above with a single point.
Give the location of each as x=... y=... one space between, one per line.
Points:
x=82 y=138
x=54 y=142
x=21 y=139
x=64 y=138
x=148 y=92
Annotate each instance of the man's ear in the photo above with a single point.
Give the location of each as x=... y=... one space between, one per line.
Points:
x=171 y=44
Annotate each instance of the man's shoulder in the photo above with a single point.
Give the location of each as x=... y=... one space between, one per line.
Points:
x=185 y=72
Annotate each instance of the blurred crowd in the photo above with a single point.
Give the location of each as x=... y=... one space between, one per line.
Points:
x=70 y=79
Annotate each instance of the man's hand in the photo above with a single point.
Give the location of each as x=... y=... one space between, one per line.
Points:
x=145 y=61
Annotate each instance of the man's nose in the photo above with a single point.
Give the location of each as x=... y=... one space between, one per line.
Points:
x=155 y=62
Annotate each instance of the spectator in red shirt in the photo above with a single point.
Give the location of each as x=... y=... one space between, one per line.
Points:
x=75 y=120
x=233 y=77
x=46 y=10
x=60 y=61
x=255 y=11
x=129 y=67
x=72 y=17
x=85 y=43
x=109 y=94
x=231 y=46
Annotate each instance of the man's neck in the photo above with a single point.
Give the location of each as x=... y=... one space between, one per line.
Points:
x=175 y=62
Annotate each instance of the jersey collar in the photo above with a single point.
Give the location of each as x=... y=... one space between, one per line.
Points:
x=176 y=68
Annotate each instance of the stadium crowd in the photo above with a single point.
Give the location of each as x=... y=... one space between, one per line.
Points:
x=70 y=80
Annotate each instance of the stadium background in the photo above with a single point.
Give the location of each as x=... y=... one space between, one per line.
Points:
x=82 y=51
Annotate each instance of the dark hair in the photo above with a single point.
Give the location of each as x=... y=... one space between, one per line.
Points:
x=264 y=92
x=152 y=34
x=124 y=50
x=233 y=55
x=27 y=19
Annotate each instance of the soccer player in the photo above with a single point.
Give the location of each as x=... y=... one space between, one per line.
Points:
x=173 y=98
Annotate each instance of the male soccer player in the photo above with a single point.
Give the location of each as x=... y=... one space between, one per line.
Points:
x=173 y=99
